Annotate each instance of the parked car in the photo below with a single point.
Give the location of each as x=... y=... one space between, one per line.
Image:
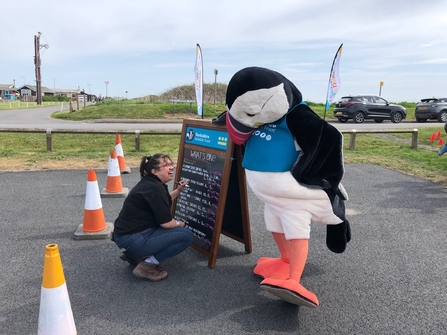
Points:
x=367 y=106
x=431 y=109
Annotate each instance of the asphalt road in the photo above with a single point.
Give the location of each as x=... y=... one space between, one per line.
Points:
x=40 y=118
x=390 y=280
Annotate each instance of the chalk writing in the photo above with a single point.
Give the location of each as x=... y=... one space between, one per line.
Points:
x=197 y=204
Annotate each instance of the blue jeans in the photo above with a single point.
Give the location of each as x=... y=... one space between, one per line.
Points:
x=158 y=242
x=443 y=150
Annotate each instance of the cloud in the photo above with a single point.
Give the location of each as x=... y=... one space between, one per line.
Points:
x=145 y=46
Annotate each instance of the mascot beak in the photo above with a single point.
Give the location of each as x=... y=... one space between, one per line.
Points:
x=238 y=132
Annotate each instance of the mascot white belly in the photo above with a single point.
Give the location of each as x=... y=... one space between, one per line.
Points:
x=294 y=164
x=290 y=207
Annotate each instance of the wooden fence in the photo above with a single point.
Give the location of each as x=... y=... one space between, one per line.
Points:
x=49 y=132
x=353 y=135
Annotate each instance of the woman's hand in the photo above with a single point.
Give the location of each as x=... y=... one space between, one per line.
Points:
x=173 y=224
x=180 y=223
x=181 y=186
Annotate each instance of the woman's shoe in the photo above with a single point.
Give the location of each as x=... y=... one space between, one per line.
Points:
x=152 y=272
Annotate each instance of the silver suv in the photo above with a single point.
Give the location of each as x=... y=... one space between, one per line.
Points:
x=431 y=109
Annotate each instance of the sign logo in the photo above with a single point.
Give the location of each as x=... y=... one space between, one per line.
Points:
x=190 y=134
x=207 y=138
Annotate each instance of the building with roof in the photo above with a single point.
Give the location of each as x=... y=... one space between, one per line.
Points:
x=8 y=92
x=28 y=93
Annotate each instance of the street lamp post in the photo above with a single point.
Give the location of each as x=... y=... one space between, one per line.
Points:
x=215 y=82
x=107 y=83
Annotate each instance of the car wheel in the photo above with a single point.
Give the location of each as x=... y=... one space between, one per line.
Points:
x=378 y=120
x=442 y=117
x=421 y=120
x=342 y=119
x=359 y=117
x=396 y=117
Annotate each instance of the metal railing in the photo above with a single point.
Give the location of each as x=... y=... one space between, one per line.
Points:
x=49 y=132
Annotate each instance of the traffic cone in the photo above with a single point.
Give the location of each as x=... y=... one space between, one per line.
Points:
x=114 y=186
x=94 y=225
x=55 y=315
x=440 y=141
x=120 y=155
x=432 y=137
x=439 y=133
x=114 y=182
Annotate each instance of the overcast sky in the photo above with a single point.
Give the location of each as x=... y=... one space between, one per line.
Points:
x=147 y=46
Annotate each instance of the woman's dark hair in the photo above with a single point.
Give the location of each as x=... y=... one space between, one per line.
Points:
x=151 y=162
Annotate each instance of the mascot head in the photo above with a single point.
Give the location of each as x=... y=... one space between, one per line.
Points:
x=256 y=96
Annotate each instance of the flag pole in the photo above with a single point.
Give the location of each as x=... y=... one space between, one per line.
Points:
x=334 y=81
x=201 y=58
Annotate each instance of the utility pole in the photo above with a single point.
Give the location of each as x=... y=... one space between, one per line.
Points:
x=37 y=67
x=37 y=63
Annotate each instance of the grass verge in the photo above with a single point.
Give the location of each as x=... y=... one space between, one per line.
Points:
x=128 y=109
x=26 y=152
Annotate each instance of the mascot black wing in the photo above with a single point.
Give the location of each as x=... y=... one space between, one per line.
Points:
x=293 y=162
x=322 y=165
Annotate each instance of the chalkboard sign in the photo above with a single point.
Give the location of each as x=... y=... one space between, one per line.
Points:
x=216 y=200
x=197 y=205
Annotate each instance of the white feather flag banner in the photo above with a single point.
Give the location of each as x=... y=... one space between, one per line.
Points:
x=198 y=72
x=334 y=80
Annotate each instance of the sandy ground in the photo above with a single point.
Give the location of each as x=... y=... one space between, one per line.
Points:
x=21 y=164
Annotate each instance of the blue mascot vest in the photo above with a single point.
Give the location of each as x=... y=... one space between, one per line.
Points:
x=271 y=148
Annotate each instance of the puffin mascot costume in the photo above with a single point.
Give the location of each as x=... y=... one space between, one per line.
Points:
x=294 y=164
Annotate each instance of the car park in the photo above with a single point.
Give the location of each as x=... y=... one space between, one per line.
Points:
x=431 y=109
x=368 y=106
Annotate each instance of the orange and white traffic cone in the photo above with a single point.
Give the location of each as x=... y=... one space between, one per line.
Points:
x=120 y=155
x=114 y=186
x=55 y=315
x=94 y=225
x=114 y=183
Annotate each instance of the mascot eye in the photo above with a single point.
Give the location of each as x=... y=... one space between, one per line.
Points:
x=262 y=107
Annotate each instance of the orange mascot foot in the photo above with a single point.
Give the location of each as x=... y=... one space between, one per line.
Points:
x=272 y=268
x=291 y=291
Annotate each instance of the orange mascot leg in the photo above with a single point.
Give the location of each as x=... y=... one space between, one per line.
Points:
x=277 y=268
x=291 y=290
